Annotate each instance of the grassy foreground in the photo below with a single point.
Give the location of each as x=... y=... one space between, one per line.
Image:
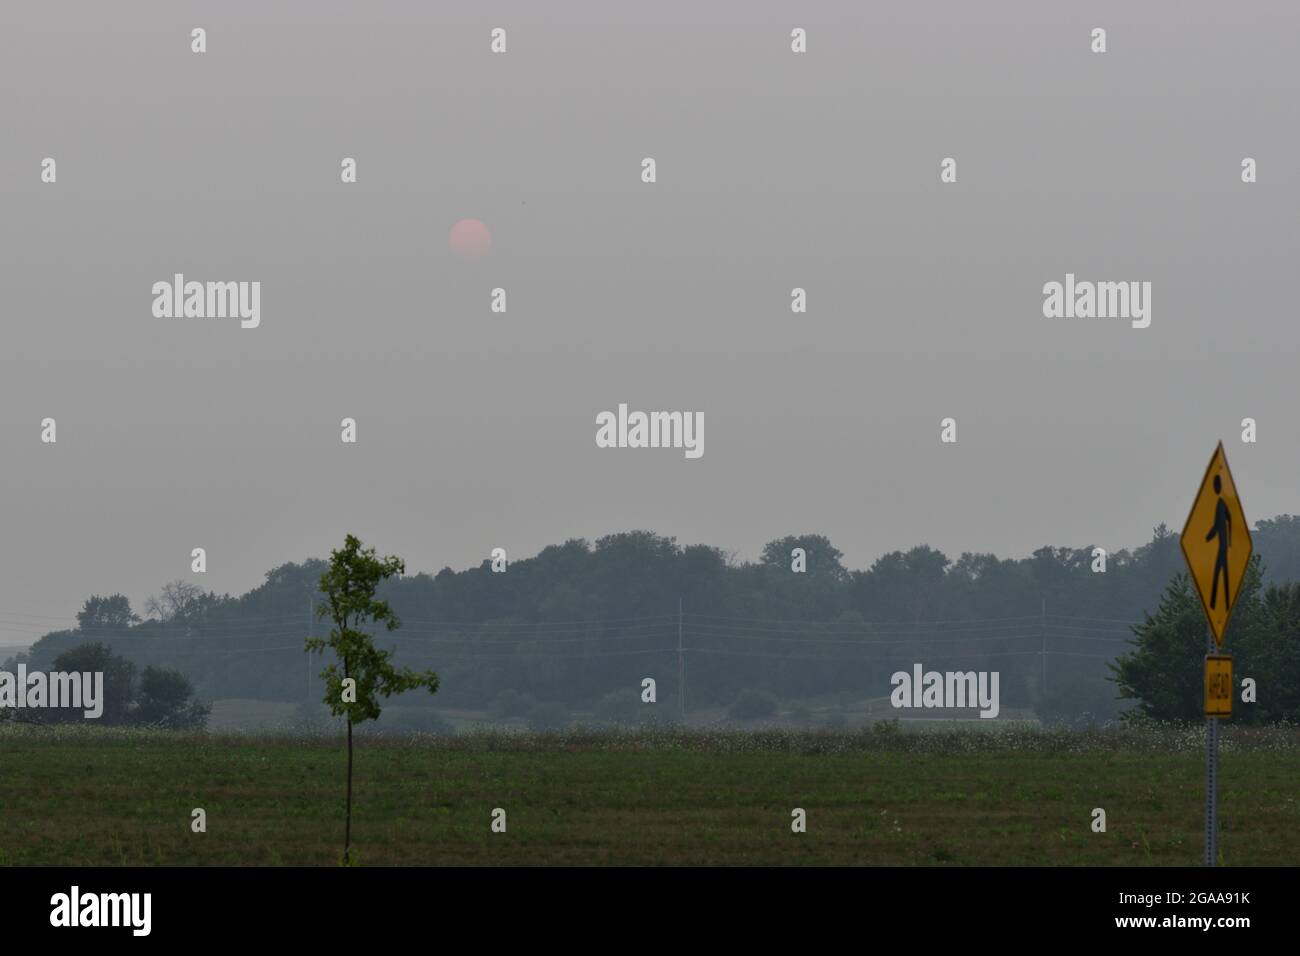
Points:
x=81 y=796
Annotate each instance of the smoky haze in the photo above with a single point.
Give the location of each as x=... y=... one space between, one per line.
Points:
x=476 y=430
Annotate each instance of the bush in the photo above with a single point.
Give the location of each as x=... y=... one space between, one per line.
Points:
x=165 y=700
x=119 y=683
x=886 y=727
x=751 y=705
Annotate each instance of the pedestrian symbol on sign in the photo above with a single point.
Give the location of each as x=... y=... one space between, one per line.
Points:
x=1216 y=543
x=1222 y=529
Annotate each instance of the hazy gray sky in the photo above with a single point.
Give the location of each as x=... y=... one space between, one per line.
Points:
x=775 y=170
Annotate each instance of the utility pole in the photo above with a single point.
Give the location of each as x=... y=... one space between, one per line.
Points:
x=681 y=667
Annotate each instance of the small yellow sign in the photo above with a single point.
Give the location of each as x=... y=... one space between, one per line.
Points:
x=1216 y=543
x=1218 y=685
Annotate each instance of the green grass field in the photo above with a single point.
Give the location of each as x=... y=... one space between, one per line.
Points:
x=79 y=796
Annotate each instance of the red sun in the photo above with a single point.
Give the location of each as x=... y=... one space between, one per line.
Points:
x=469 y=239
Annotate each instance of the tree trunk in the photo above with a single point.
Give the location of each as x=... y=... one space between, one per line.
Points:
x=347 y=828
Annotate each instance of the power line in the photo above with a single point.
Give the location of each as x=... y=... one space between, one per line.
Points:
x=861 y=660
x=864 y=630
x=865 y=641
x=269 y=622
x=535 y=639
x=989 y=620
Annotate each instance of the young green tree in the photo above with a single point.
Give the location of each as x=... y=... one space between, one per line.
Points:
x=1165 y=672
x=361 y=672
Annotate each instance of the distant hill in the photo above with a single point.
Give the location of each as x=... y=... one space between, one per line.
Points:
x=577 y=627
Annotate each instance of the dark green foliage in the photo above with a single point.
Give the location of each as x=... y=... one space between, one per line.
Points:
x=361 y=673
x=349 y=586
x=164 y=700
x=1164 y=672
x=181 y=602
x=1275 y=654
x=582 y=620
x=119 y=682
x=160 y=697
x=106 y=614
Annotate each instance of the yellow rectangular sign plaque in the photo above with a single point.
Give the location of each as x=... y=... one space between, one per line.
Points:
x=1218 y=685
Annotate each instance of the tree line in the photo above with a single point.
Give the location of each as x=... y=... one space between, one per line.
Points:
x=575 y=628
x=157 y=697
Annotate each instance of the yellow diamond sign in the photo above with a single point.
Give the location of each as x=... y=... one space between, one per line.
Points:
x=1216 y=543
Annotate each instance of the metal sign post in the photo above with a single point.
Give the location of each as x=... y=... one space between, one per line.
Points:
x=1216 y=543
x=1211 y=775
